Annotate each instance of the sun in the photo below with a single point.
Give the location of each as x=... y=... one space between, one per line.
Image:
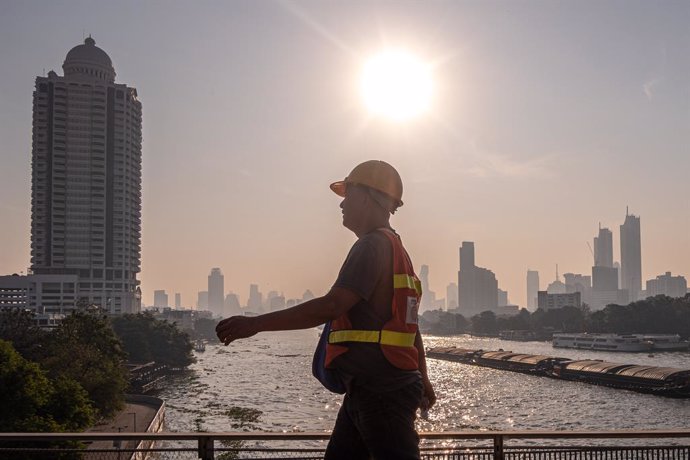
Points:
x=396 y=85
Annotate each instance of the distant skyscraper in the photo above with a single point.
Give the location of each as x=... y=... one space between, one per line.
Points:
x=532 y=289
x=502 y=298
x=452 y=296
x=631 y=256
x=232 y=305
x=308 y=295
x=202 y=300
x=579 y=283
x=547 y=301
x=672 y=286
x=178 y=300
x=477 y=287
x=603 y=248
x=255 y=301
x=429 y=301
x=86 y=180
x=467 y=255
x=604 y=274
x=424 y=279
x=160 y=299
x=216 y=291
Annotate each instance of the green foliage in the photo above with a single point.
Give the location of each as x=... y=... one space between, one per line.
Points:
x=205 y=328
x=31 y=402
x=485 y=323
x=18 y=327
x=654 y=315
x=84 y=348
x=147 y=339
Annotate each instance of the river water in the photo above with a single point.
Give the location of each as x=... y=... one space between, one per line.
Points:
x=265 y=383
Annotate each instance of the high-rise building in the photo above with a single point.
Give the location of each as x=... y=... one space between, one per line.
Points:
x=672 y=286
x=547 y=301
x=429 y=301
x=178 y=300
x=502 y=298
x=603 y=248
x=532 y=289
x=452 y=296
x=575 y=282
x=160 y=299
x=86 y=180
x=216 y=291
x=255 y=301
x=308 y=295
x=232 y=305
x=605 y=287
x=477 y=286
x=202 y=300
x=631 y=257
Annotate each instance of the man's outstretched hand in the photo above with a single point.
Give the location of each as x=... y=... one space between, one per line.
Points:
x=236 y=327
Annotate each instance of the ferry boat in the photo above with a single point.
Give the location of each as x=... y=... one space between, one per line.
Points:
x=622 y=342
x=666 y=342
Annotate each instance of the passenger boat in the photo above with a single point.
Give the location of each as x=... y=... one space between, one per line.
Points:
x=517 y=335
x=623 y=342
x=666 y=342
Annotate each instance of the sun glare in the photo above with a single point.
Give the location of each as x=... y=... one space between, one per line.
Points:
x=396 y=85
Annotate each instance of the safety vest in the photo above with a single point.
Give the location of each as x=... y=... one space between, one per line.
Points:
x=397 y=336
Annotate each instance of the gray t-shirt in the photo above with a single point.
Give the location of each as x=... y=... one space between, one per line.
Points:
x=368 y=272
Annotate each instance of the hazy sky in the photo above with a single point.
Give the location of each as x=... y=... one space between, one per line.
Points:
x=548 y=117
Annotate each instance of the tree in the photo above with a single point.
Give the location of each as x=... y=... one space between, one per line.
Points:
x=485 y=323
x=205 y=328
x=19 y=327
x=147 y=339
x=31 y=402
x=84 y=348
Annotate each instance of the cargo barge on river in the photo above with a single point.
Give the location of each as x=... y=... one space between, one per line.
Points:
x=665 y=381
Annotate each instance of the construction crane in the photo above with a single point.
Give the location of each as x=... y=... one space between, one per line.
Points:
x=592 y=252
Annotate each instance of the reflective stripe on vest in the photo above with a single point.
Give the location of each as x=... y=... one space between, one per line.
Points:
x=397 y=336
x=404 y=281
x=384 y=337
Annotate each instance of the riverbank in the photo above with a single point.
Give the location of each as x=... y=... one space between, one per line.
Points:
x=141 y=414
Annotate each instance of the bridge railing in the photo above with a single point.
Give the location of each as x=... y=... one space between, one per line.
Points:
x=494 y=445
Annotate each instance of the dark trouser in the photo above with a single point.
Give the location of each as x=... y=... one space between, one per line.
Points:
x=377 y=425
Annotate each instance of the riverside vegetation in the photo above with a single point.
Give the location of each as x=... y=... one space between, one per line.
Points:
x=654 y=315
x=67 y=378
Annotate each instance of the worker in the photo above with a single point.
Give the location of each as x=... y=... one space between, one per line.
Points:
x=372 y=348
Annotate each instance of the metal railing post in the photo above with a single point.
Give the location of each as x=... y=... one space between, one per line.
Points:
x=206 y=448
x=498 y=447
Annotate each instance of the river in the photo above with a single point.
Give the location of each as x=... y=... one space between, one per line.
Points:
x=265 y=383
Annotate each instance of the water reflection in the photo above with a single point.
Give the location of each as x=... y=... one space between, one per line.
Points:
x=269 y=377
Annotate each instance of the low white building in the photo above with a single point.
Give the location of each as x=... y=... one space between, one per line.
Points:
x=49 y=297
x=547 y=301
x=672 y=286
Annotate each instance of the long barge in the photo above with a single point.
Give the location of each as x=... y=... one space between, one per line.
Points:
x=665 y=381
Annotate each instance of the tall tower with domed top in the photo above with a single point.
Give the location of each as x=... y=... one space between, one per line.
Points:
x=86 y=180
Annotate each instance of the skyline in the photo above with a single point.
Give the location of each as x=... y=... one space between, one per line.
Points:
x=535 y=134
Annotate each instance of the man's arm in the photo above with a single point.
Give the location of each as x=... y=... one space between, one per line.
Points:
x=429 y=394
x=303 y=316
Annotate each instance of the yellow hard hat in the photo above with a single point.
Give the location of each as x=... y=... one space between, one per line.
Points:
x=375 y=174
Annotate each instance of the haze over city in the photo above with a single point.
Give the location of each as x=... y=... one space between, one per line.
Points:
x=545 y=120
